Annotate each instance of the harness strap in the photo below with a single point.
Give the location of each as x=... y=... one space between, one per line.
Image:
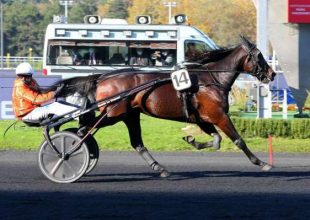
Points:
x=186 y=100
x=225 y=88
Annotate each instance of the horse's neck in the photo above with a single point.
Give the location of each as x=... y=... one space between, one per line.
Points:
x=229 y=68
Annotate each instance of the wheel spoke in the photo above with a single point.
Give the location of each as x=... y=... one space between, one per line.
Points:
x=59 y=162
x=50 y=154
x=71 y=168
x=62 y=144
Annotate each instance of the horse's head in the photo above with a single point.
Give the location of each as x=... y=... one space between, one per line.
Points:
x=255 y=62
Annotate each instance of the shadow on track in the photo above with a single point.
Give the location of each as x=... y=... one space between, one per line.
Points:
x=177 y=176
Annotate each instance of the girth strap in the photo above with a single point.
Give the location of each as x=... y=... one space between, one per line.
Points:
x=186 y=99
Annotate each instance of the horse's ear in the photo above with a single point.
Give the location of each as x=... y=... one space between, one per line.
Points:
x=241 y=38
x=246 y=42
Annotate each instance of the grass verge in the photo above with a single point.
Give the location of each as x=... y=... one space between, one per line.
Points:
x=158 y=135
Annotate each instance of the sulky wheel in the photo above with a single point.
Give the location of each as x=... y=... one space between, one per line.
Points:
x=93 y=149
x=64 y=168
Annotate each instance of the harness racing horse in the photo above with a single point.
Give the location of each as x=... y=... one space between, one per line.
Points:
x=215 y=75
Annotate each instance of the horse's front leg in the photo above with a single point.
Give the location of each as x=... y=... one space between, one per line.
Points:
x=132 y=122
x=225 y=124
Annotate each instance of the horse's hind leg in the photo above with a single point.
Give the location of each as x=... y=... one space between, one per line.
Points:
x=132 y=122
x=211 y=130
x=229 y=129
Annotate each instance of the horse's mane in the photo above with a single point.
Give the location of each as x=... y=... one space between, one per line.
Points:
x=211 y=56
x=216 y=55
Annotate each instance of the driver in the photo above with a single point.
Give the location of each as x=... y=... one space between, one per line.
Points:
x=28 y=98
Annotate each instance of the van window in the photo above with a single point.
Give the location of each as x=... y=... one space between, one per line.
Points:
x=194 y=48
x=110 y=53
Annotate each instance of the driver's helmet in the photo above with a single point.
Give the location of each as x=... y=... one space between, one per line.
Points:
x=24 y=69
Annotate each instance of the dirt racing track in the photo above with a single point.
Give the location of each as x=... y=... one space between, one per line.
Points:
x=202 y=186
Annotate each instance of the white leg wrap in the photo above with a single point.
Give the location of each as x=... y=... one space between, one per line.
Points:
x=146 y=155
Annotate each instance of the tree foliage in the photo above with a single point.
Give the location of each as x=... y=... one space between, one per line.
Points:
x=117 y=9
x=154 y=8
x=25 y=21
x=22 y=32
x=82 y=8
x=222 y=20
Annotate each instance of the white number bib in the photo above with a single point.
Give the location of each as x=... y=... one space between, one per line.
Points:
x=180 y=80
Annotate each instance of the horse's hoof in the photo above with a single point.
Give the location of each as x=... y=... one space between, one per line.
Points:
x=217 y=147
x=266 y=167
x=164 y=174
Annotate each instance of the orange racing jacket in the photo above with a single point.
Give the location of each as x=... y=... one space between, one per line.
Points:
x=25 y=99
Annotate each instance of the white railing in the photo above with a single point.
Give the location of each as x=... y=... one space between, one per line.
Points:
x=274 y=63
x=282 y=101
x=10 y=62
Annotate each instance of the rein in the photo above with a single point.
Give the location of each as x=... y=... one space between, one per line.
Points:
x=225 y=88
x=215 y=83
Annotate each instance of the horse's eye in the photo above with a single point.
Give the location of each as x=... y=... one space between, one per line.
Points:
x=260 y=56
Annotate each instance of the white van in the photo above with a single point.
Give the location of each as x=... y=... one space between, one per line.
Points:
x=108 y=44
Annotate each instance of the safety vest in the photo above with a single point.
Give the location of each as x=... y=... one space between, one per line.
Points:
x=24 y=99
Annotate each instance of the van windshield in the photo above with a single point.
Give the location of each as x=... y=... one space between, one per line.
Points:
x=107 y=53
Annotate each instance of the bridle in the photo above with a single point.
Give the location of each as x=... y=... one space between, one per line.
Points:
x=258 y=67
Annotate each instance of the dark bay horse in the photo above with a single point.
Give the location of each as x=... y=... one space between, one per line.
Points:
x=215 y=73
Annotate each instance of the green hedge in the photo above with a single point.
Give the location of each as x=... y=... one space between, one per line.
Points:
x=295 y=128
